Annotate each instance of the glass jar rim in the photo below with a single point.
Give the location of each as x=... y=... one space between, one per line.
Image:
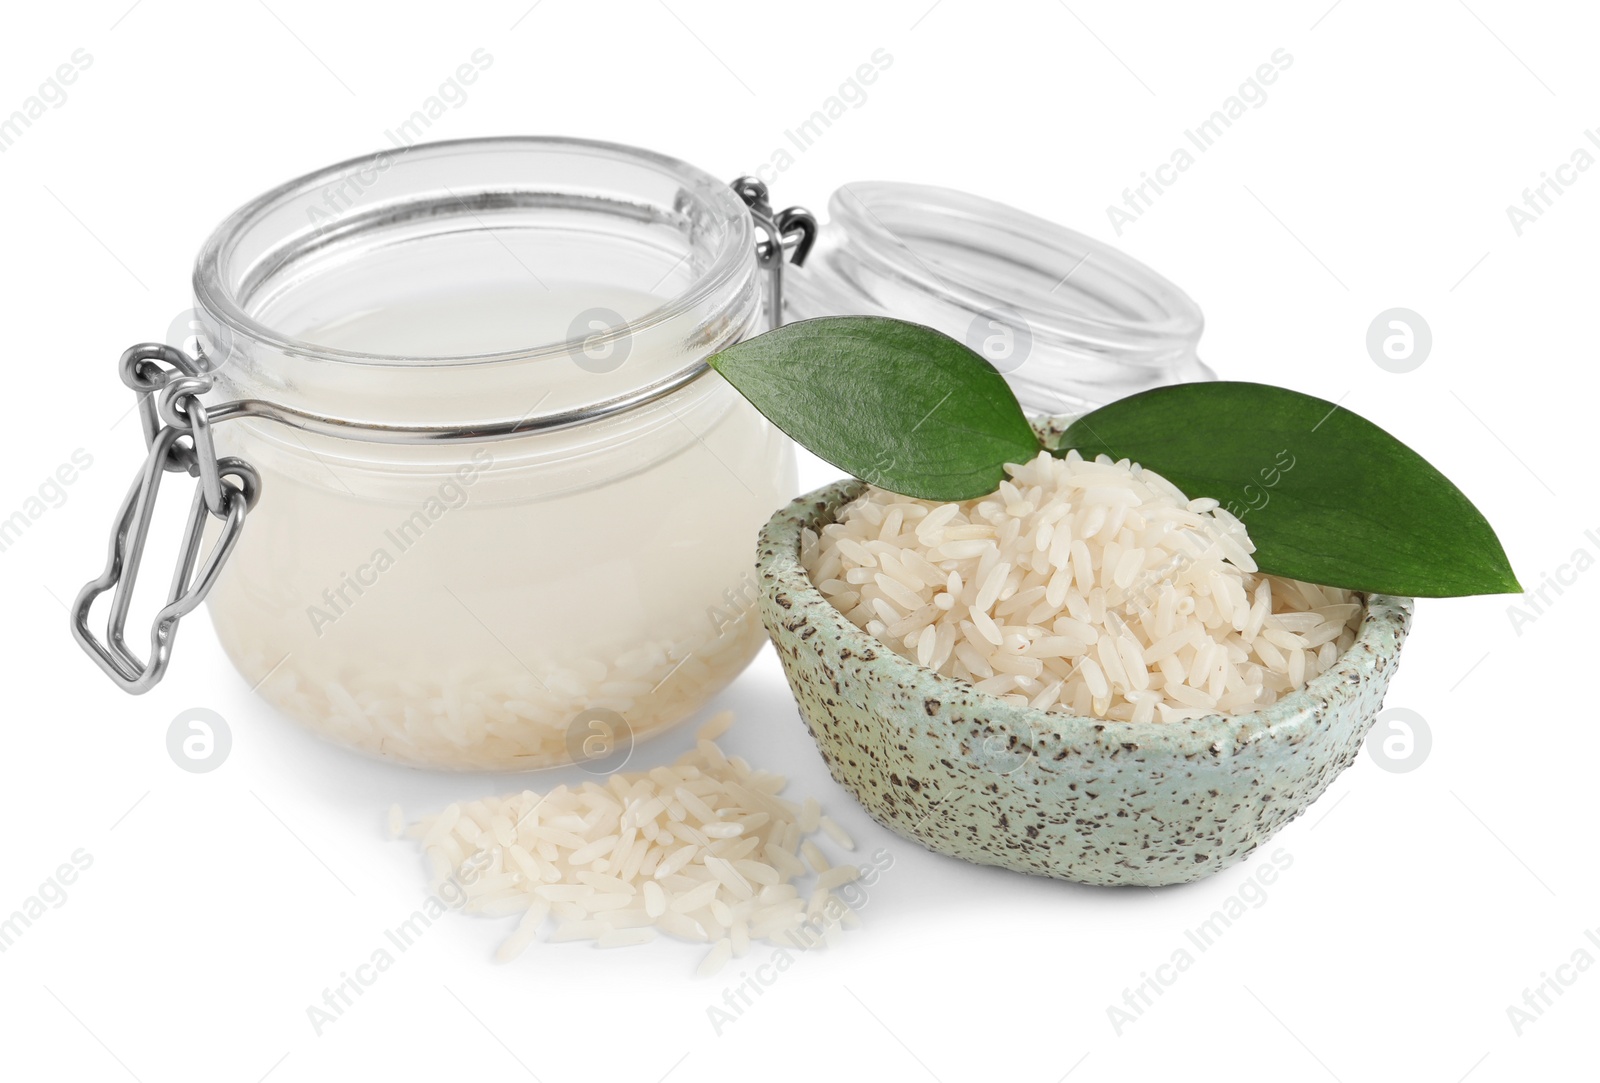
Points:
x=733 y=258
x=1168 y=319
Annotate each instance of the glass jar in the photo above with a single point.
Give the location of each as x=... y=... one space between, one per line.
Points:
x=1071 y=323
x=485 y=603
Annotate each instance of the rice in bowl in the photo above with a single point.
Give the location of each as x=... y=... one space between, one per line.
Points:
x=1090 y=587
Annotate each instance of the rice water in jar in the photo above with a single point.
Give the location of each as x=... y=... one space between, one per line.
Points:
x=505 y=508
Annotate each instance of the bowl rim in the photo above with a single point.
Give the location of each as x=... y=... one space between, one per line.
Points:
x=1384 y=624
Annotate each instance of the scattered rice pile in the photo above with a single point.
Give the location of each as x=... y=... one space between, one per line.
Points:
x=703 y=850
x=1095 y=588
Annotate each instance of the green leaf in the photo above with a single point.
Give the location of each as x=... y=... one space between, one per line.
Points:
x=1328 y=497
x=894 y=403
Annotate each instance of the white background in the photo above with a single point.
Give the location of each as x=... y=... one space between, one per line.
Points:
x=1377 y=173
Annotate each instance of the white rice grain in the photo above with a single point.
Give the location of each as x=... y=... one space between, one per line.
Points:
x=836 y=833
x=716 y=958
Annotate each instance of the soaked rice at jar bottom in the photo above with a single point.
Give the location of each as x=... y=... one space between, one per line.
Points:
x=502 y=714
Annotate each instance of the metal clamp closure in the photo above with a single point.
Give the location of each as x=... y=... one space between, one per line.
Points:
x=790 y=232
x=178 y=438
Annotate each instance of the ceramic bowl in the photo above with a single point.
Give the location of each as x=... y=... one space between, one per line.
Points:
x=966 y=774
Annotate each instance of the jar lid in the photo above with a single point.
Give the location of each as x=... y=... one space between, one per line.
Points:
x=1071 y=322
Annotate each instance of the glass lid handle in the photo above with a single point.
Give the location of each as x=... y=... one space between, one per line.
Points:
x=790 y=232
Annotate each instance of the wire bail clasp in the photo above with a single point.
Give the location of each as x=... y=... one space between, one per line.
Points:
x=791 y=230
x=177 y=432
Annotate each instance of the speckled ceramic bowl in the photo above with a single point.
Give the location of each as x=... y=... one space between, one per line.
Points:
x=966 y=774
